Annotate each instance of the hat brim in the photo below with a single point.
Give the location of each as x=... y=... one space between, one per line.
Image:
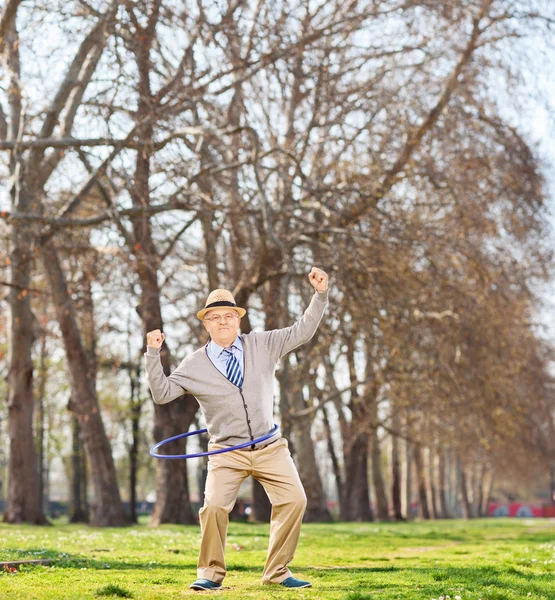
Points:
x=240 y=311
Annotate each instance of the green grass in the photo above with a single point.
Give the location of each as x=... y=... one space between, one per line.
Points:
x=494 y=559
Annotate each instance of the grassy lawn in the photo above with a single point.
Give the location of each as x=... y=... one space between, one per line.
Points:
x=488 y=559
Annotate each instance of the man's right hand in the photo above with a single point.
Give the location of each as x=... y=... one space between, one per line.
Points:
x=155 y=338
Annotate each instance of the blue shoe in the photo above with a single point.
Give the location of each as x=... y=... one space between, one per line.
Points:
x=291 y=582
x=206 y=584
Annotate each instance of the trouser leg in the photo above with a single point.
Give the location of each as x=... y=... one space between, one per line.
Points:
x=276 y=471
x=226 y=472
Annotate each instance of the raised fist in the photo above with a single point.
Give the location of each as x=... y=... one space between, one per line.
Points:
x=318 y=279
x=155 y=338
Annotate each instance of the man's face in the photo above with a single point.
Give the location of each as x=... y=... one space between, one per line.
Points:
x=222 y=325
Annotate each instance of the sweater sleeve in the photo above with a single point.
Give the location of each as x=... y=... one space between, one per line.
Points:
x=282 y=341
x=164 y=389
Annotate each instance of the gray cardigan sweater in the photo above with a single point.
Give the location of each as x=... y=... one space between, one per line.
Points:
x=233 y=415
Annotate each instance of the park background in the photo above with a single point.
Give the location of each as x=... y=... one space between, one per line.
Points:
x=151 y=151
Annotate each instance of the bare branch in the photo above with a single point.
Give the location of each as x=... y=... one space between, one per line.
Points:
x=58 y=222
x=175 y=239
x=8 y=14
x=415 y=136
x=24 y=289
x=77 y=72
x=66 y=142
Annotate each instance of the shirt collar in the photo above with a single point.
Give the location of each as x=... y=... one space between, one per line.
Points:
x=217 y=350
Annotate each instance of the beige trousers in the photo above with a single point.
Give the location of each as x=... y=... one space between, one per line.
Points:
x=274 y=468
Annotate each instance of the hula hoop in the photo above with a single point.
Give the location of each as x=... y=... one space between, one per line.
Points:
x=198 y=432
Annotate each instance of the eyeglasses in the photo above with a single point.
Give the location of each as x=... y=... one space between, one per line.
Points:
x=220 y=318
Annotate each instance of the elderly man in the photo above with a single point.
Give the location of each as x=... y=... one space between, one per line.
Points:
x=232 y=379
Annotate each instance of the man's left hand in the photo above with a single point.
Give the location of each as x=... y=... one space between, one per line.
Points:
x=318 y=279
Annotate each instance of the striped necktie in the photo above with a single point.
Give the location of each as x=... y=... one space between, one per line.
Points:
x=233 y=369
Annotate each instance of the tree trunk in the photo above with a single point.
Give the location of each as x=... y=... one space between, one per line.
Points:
x=355 y=493
x=210 y=245
x=396 y=466
x=286 y=426
x=173 y=504
x=23 y=505
x=442 y=476
x=78 y=506
x=23 y=502
x=261 y=507
x=432 y=484
x=382 y=508
x=423 y=510
x=316 y=507
x=453 y=477
x=463 y=489
x=487 y=495
x=355 y=505
x=40 y=438
x=136 y=406
x=408 y=480
x=333 y=455
x=107 y=509
x=83 y=273
x=479 y=490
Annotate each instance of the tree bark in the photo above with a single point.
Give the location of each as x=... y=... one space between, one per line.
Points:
x=453 y=484
x=316 y=507
x=286 y=426
x=40 y=437
x=396 y=466
x=136 y=405
x=382 y=508
x=107 y=509
x=333 y=454
x=23 y=502
x=356 y=493
x=78 y=506
x=479 y=490
x=173 y=504
x=408 y=480
x=442 y=476
x=423 y=510
x=82 y=275
x=487 y=494
x=432 y=484
x=7 y=16
x=463 y=490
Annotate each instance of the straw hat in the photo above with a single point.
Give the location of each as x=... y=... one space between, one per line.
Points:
x=219 y=299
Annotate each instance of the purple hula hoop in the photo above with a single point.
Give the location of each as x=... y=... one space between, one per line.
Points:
x=198 y=432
